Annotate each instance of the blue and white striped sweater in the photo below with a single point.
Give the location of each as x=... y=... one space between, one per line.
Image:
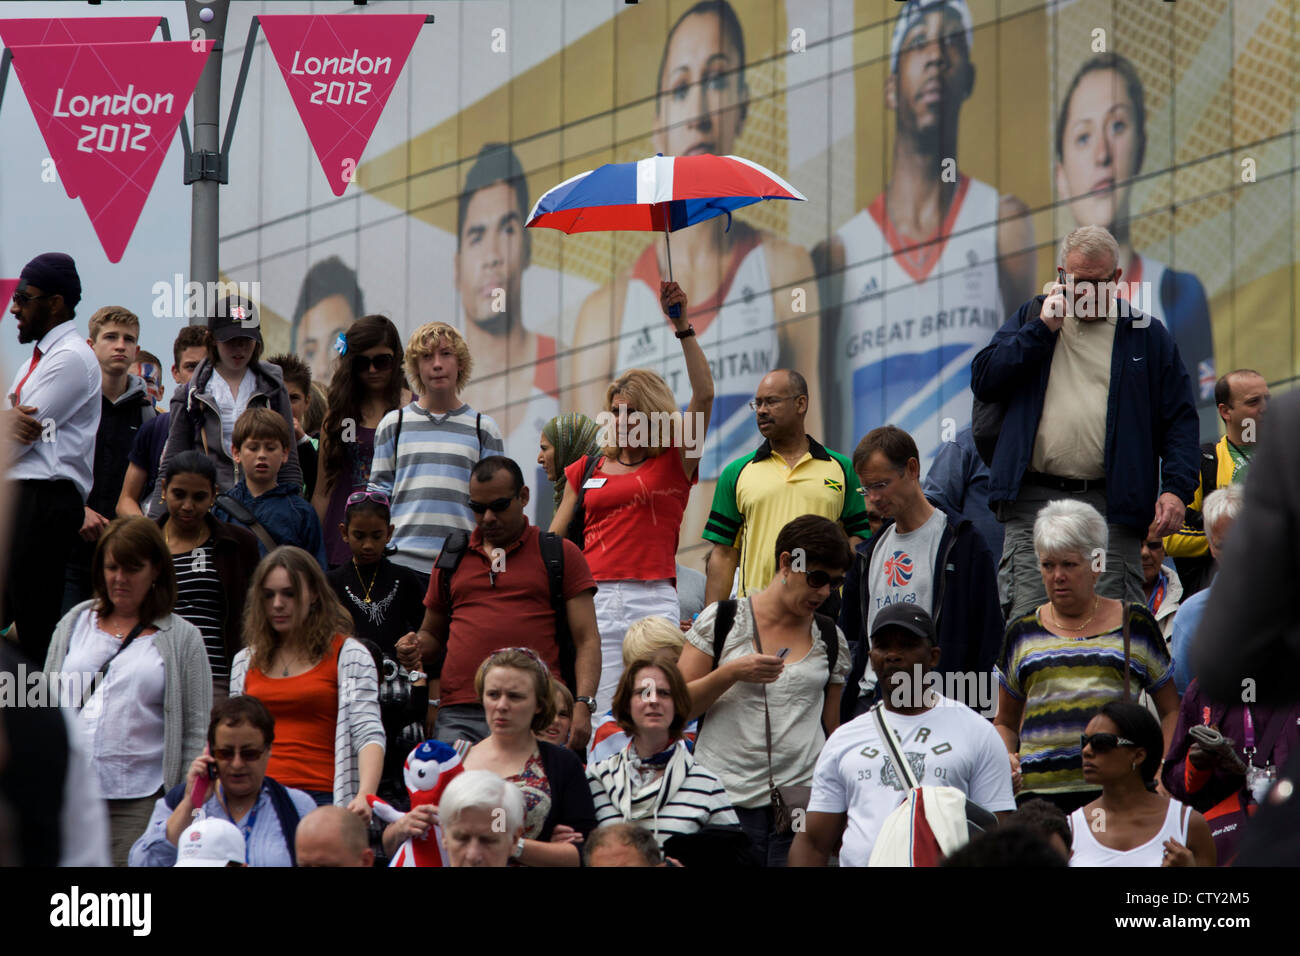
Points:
x=428 y=483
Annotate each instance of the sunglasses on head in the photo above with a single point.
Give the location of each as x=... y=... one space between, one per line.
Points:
x=1104 y=743
x=359 y=496
x=247 y=754
x=380 y=363
x=499 y=505
x=819 y=579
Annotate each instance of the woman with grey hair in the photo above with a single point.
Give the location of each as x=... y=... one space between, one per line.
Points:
x=1065 y=661
x=471 y=813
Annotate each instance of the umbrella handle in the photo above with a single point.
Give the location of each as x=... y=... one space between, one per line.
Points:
x=674 y=310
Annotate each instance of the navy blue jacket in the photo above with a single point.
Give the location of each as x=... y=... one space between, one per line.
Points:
x=1150 y=413
x=965 y=608
x=285 y=515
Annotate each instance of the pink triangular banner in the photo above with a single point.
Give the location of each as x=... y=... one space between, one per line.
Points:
x=108 y=112
x=340 y=70
x=36 y=32
x=7 y=289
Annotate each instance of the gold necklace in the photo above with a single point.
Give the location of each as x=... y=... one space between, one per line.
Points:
x=167 y=536
x=361 y=580
x=1096 y=602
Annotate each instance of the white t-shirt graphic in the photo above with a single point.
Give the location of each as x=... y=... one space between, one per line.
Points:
x=948 y=745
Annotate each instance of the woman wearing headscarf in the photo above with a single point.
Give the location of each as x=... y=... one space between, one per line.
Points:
x=565 y=439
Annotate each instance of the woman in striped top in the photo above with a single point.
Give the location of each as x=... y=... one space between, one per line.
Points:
x=1062 y=663
x=213 y=562
x=320 y=685
x=654 y=780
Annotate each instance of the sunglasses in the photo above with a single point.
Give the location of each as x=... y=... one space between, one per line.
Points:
x=819 y=579
x=247 y=754
x=499 y=505
x=1104 y=743
x=380 y=363
x=359 y=496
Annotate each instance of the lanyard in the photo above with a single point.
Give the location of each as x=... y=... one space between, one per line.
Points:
x=250 y=821
x=1158 y=593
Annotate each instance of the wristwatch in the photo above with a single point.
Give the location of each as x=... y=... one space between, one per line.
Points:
x=685 y=333
x=518 y=850
x=589 y=701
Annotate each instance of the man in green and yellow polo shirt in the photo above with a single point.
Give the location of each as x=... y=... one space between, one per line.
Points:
x=789 y=475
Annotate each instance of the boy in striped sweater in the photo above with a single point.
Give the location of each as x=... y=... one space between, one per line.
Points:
x=424 y=452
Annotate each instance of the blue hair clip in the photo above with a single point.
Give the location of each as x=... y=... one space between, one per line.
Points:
x=341 y=343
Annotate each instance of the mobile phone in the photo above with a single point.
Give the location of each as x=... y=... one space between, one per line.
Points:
x=201 y=786
x=782 y=652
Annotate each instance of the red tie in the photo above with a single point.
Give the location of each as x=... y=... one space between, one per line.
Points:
x=36 y=357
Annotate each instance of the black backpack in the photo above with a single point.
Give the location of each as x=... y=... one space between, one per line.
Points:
x=986 y=417
x=578 y=523
x=552 y=548
x=285 y=811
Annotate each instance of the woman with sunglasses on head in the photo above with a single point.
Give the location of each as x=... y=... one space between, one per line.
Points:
x=514 y=687
x=319 y=684
x=213 y=559
x=636 y=494
x=1130 y=824
x=366 y=386
x=773 y=670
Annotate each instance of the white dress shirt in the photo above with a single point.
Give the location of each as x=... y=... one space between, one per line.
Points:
x=123 y=718
x=231 y=404
x=65 y=387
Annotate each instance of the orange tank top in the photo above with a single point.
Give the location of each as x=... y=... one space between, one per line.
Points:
x=306 y=712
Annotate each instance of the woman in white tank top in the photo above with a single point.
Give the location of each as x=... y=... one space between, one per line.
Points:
x=1129 y=824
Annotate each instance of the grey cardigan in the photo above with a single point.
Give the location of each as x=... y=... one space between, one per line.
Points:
x=187 y=689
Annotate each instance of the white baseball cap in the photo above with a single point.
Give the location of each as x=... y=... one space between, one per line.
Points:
x=914 y=11
x=210 y=842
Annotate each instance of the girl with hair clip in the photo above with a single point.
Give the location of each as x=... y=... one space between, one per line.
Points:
x=319 y=684
x=366 y=386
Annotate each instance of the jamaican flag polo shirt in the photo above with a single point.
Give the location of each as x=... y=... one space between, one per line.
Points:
x=758 y=494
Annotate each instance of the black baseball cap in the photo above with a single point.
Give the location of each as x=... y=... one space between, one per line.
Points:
x=235 y=317
x=909 y=617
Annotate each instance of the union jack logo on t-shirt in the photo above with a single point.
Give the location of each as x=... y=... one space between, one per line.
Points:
x=898 y=569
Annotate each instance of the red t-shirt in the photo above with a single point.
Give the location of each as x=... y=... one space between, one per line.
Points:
x=306 y=712
x=633 y=521
x=507 y=608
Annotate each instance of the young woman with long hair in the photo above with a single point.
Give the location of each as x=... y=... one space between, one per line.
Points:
x=319 y=684
x=367 y=385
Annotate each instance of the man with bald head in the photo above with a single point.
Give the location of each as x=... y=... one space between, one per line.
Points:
x=333 y=836
x=789 y=475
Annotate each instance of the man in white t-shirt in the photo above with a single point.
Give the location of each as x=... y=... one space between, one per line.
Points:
x=856 y=786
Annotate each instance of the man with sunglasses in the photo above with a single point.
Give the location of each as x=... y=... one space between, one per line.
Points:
x=923 y=557
x=788 y=475
x=1098 y=407
x=231 y=773
x=50 y=423
x=500 y=585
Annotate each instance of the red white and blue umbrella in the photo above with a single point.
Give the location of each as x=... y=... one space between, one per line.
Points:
x=659 y=194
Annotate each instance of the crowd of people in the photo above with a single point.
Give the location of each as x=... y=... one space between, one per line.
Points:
x=273 y=658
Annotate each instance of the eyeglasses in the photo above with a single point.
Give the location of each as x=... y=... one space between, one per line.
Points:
x=865 y=490
x=1156 y=545
x=756 y=403
x=1104 y=743
x=359 y=496
x=22 y=298
x=246 y=754
x=380 y=363
x=819 y=579
x=499 y=505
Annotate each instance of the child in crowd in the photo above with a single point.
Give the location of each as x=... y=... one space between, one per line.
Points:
x=261 y=445
x=386 y=600
x=297 y=382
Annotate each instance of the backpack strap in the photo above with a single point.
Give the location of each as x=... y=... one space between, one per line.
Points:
x=722 y=624
x=236 y=510
x=396 y=440
x=478 y=431
x=552 y=548
x=453 y=549
x=286 y=812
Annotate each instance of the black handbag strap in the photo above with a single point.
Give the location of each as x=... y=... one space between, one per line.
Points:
x=126 y=642
x=767 y=716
